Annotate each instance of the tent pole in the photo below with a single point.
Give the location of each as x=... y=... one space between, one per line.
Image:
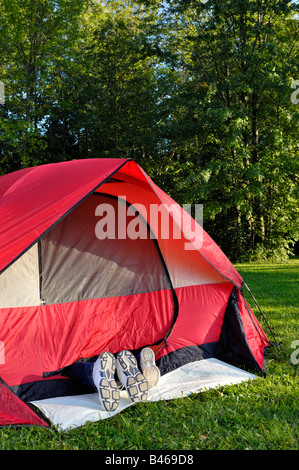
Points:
x=40 y=271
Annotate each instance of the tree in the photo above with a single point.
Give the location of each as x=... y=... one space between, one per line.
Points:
x=36 y=36
x=240 y=128
x=108 y=97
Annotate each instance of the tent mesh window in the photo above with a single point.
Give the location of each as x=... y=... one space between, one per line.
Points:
x=86 y=256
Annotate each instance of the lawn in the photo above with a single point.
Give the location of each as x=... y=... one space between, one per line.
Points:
x=258 y=415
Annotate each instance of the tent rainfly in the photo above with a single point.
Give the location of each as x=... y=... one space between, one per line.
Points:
x=95 y=257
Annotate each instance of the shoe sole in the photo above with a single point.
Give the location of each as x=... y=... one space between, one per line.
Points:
x=152 y=375
x=147 y=356
x=108 y=390
x=149 y=369
x=130 y=376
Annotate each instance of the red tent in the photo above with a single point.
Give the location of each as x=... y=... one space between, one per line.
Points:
x=70 y=290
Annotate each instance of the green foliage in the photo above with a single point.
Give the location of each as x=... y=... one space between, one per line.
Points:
x=36 y=36
x=238 y=121
x=198 y=93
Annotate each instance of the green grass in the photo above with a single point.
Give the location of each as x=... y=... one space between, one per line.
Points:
x=258 y=415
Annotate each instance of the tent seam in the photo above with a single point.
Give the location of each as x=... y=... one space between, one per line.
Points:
x=62 y=217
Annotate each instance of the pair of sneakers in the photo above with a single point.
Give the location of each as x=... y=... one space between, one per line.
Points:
x=125 y=364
